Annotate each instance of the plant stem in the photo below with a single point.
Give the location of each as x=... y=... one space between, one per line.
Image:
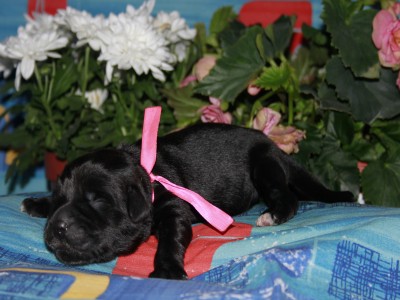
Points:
x=38 y=79
x=85 y=71
x=50 y=90
x=46 y=99
x=290 y=108
x=266 y=96
x=132 y=112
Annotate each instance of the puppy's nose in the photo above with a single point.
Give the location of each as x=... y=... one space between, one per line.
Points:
x=61 y=228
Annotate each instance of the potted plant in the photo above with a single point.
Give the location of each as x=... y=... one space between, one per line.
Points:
x=78 y=82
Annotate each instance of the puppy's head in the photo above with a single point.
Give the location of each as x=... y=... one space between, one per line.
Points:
x=101 y=208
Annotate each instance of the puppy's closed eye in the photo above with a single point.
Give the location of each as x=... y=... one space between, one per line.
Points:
x=97 y=201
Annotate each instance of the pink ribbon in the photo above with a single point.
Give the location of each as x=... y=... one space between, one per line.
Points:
x=212 y=214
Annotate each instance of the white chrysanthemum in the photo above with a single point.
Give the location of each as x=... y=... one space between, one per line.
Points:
x=180 y=50
x=129 y=43
x=40 y=22
x=27 y=49
x=176 y=31
x=96 y=98
x=143 y=13
x=84 y=25
x=173 y=27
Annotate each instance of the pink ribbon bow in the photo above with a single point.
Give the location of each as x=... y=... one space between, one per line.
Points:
x=212 y=214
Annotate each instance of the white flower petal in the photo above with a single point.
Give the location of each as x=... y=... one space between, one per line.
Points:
x=109 y=71
x=27 y=65
x=17 y=81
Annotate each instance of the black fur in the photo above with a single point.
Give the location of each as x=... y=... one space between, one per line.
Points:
x=102 y=208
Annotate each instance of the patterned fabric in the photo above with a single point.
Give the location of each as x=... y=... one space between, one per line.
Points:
x=336 y=251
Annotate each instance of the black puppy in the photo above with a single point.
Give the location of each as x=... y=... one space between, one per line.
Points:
x=102 y=204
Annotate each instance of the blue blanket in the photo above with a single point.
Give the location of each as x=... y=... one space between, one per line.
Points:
x=335 y=251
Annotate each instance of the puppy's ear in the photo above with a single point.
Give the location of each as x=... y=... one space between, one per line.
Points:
x=139 y=196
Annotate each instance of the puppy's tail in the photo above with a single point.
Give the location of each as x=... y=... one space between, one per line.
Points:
x=308 y=188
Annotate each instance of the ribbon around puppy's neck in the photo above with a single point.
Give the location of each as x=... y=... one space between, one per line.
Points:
x=212 y=214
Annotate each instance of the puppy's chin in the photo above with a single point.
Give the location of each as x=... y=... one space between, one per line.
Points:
x=70 y=255
x=76 y=258
x=86 y=251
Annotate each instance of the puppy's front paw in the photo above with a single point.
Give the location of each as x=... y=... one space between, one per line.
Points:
x=35 y=207
x=169 y=273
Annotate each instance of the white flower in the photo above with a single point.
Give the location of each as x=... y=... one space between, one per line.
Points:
x=84 y=25
x=96 y=98
x=130 y=43
x=176 y=31
x=28 y=48
x=143 y=13
x=40 y=22
x=173 y=27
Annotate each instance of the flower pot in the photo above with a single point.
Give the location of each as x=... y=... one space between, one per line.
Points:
x=53 y=167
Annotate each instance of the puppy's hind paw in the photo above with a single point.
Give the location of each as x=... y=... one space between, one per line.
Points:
x=265 y=219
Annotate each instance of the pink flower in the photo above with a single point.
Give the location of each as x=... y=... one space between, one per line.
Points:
x=214 y=114
x=266 y=119
x=286 y=138
x=253 y=89
x=204 y=66
x=398 y=81
x=188 y=79
x=386 y=36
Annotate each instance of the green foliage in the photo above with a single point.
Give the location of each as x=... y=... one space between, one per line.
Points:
x=372 y=99
x=351 y=31
x=239 y=64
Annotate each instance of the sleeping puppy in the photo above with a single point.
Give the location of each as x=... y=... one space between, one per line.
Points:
x=102 y=206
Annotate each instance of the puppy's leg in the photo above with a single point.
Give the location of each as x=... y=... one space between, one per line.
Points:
x=36 y=207
x=174 y=232
x=271 y=182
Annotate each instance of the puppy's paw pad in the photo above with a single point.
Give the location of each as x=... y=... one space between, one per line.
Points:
x=265 y=220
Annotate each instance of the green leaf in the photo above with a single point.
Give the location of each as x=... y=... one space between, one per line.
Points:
x=17 y=139
x=330 y=101
x=388 y=133
x=236 y=68
x=66 y=75
x=280 y=33
x=369 y=99
x=221 y=19
x=275 y=77
x=340 y=126
x=314 y=35
x=381 y=181
x=201 y=38
x=219 y=22
x=310 y=146
x=335 y=167
x=231 y=34
x=72 y=102
x=186 y=107
x=351 y=34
